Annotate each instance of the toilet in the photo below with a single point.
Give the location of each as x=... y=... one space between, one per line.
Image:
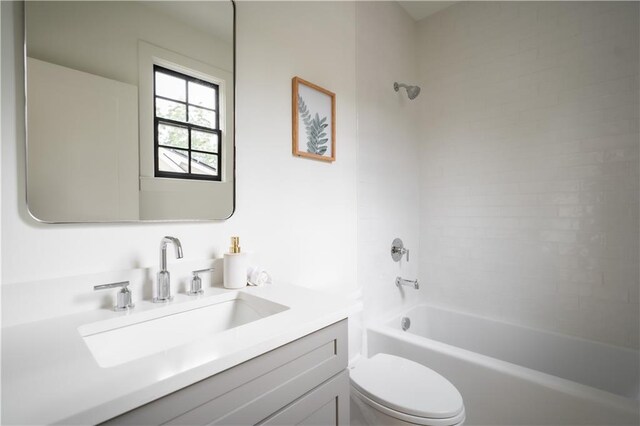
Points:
x=390 y=390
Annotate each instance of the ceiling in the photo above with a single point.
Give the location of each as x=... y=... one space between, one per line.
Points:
x=421 y=9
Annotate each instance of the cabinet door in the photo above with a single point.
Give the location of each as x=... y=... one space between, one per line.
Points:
x=253 y=390
x=328 y=404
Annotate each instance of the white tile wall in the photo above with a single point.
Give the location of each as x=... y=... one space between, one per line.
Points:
x=529 y=164
x=387 y=155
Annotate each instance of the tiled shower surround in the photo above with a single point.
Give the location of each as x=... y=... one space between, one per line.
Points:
x=529 y=164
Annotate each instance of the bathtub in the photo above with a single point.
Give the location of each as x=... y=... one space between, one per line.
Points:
x=513 y=375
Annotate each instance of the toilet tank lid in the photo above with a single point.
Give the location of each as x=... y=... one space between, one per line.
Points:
x=406 y=386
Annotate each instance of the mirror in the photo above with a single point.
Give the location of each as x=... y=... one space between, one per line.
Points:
x=130 y=110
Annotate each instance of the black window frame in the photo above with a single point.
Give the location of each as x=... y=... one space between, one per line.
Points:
x=189 y=126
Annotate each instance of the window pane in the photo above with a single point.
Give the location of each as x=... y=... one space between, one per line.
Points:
x=173 y=136
x=170 y=87
x=170 y=110
x=204 y=164
x=173 y=160
x=202 y=95
x=202 y=117
x=204 y=141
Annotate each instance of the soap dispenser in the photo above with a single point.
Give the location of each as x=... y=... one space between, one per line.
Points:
x=235 y=266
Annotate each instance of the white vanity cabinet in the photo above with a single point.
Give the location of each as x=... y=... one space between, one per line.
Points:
x=302 y=382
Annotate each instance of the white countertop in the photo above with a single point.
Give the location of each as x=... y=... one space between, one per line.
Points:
x=50 y=376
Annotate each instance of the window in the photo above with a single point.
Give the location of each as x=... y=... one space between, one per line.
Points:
x=187 y=126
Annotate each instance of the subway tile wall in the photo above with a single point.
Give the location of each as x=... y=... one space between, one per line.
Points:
x=388 y=161
x=529 y=171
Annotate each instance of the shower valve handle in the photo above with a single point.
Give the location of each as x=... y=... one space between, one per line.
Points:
x=401 y=251
x=398 y=250
x=405 y=251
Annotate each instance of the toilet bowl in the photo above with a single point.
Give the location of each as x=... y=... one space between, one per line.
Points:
x=390 y=390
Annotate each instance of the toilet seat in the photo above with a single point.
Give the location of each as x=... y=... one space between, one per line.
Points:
x=407 y=391
x=406 y=418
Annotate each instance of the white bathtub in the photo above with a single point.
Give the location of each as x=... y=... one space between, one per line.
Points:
x=513 y=375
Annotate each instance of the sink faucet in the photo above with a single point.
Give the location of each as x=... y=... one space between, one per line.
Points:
x=163 y=291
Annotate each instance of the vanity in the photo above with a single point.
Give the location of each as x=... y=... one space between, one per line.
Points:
x=130 y=118
x=263 y=355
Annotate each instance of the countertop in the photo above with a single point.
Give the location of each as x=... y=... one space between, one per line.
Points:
x=50 y=376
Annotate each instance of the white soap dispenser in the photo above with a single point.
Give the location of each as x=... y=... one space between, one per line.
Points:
x=235 y=266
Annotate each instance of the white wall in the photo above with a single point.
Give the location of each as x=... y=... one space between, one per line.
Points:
x=297 y=215
x=63 y=134
x=529 y=164
x=387 y=156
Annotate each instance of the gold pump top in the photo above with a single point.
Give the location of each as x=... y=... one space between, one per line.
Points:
x=235 y=245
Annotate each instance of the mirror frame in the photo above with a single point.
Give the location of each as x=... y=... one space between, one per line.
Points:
x=233 y=130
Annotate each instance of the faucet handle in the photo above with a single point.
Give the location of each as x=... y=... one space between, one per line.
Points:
x=398 y=250
x=196 y=282
x=124 y=295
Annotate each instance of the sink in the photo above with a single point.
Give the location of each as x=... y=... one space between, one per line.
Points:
x=127 y=338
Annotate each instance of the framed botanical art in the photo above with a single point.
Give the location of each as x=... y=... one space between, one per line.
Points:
x=314 y=121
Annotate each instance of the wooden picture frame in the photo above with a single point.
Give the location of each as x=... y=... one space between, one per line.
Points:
x=314 y=121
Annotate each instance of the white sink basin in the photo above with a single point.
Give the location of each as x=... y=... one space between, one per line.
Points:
x=120 y=340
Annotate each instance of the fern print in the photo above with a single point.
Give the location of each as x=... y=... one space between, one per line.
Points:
x=315 y=128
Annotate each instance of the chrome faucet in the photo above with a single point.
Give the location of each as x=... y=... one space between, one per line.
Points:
x=163 y=291
x=409 y=283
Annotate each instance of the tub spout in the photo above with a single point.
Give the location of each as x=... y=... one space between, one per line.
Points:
x=402 y=282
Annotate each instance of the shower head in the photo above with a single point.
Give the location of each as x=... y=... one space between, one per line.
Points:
x=412 y=91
